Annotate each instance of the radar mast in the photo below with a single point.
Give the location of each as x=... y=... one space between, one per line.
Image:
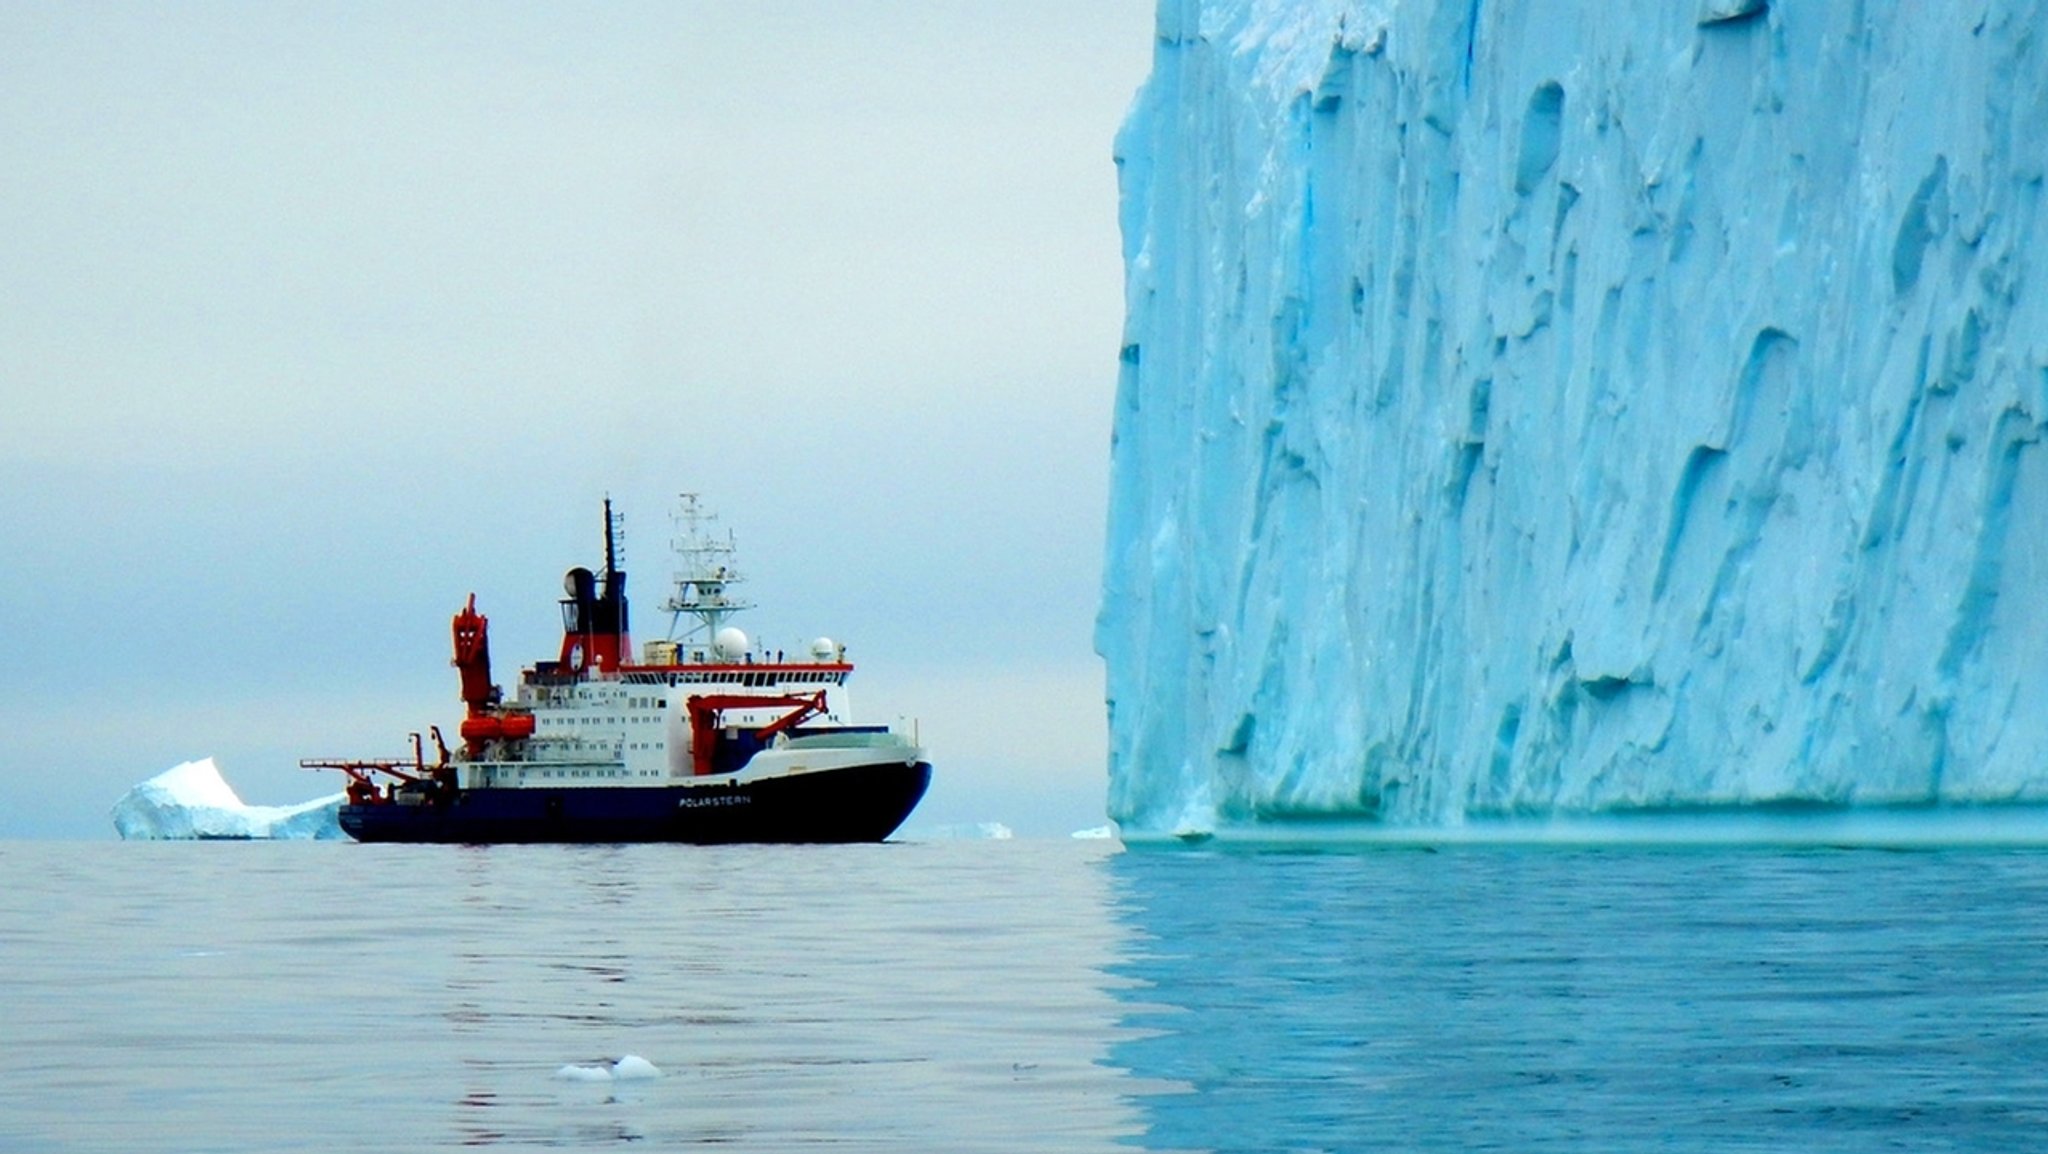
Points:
x=705 y=576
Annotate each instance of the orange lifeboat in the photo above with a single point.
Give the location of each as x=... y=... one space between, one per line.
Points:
x=481 y=727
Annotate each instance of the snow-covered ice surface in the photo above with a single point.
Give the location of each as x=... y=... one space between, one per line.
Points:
x=1569 y=408
x=192 y=800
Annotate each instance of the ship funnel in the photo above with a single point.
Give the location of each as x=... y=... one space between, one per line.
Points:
x=594 y=620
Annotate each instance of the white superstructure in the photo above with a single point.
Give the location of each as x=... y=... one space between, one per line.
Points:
x=599 y=719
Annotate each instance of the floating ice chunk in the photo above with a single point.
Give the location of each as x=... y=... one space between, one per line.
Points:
x=1095 y=833
x=192 y=801
x=631 y=1068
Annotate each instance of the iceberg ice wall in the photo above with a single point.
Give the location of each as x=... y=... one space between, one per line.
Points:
x=1573 y=407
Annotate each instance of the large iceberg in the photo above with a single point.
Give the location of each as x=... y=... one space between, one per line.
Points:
x=192 y=800
x=1573 y=407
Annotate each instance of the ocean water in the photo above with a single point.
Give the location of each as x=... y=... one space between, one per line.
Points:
x=1022 y=995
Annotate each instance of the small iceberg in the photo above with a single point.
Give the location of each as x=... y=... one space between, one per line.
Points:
x=976 y=831
x=1095 y=833
x=631 y=1068
x=193 y=801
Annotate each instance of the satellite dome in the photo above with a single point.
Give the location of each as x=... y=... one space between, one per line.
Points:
x=823 y=649
x=730 y=643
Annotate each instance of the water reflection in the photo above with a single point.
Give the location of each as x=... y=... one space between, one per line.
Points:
x=1581 y=999
x=864 y=997
x=1020 y=996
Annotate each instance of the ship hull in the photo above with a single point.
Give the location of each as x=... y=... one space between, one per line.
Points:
x=860 y=803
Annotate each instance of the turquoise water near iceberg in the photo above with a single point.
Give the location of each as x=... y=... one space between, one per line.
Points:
x=1058 y=996
x=1538 y=998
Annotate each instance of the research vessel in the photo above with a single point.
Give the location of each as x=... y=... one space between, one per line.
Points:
x=703 y=736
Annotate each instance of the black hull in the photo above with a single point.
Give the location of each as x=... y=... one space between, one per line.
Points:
x=856 y=804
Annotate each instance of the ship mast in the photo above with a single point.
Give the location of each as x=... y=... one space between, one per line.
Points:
x=614 y=531
x=705 y=575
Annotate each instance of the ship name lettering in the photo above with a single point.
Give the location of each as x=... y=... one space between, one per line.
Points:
x=714 y=799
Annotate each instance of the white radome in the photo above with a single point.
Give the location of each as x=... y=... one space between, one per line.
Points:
x=730 y=643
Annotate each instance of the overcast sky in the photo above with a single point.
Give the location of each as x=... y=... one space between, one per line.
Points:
x=316 y=318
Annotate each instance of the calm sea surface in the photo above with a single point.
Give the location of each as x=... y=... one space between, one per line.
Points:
x=1022 y=996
